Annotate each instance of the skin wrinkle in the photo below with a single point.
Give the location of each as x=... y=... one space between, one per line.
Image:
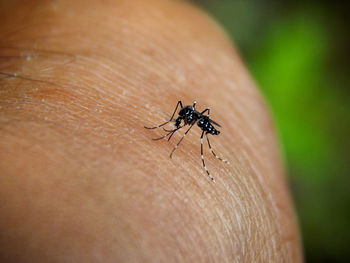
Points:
x=254 y=191
x=72 y=112
x=257 y=158
x=208 y=223
x=36 y=146
x=175 y=53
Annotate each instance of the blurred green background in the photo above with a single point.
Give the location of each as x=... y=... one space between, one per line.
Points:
x=298 y=53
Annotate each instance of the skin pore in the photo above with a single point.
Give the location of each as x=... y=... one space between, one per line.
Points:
x=81 y=180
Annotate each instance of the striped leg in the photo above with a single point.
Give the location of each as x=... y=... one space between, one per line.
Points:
x=203 y=159
x=170 y=132
x=174 y=132
x=172 y=116
x=171 y=154
x=217 y=157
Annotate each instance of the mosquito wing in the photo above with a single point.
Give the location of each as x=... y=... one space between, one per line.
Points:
x=215 y=123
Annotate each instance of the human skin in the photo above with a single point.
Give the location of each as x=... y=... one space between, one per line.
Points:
x=81 y=180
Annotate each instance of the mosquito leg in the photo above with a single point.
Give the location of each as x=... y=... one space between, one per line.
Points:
x=217 y=157
x=194 y=104
x=171 y=136
x=170 y=132
x=171 y=154
x=208 y=110
x=174 y=132
x=156 y=139
x=203 y=159
x=172 y=116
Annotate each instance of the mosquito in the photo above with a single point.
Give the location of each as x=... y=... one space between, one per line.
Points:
x=189 y=116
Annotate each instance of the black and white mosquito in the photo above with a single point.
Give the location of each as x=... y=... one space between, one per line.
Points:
x=188 y=115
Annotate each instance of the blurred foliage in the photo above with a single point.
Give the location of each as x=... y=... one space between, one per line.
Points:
x=298 y=54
